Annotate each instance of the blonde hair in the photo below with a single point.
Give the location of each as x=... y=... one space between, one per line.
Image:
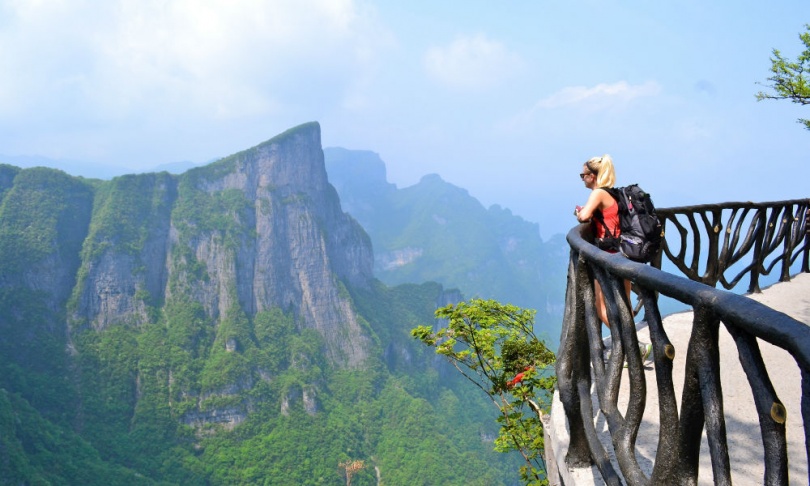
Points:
x=603 y=168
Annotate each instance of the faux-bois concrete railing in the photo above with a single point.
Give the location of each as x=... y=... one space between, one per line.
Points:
x=755 y=237
x=770 y=227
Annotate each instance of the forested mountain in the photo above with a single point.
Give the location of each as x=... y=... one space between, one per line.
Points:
x=435 y=231
x=221 y=326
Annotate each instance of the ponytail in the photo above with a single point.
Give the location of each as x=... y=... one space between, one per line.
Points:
x=603 y=168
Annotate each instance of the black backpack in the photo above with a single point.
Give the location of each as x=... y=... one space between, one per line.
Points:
x=641 y=232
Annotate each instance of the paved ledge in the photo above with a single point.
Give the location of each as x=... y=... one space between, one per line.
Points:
x=742 y=425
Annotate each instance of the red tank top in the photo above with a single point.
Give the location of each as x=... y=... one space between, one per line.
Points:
x=611 y=217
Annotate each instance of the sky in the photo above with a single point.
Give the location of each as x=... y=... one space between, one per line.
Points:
x=505 y=99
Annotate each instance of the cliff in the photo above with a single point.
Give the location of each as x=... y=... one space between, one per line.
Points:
x=258 y=230
x=216 y=327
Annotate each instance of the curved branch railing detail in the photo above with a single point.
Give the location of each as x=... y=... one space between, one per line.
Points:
x=756 y=228
x=679 y=439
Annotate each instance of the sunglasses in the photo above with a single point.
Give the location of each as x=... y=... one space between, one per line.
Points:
x=582 y=176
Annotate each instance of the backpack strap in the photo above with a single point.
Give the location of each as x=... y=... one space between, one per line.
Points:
x=615 y=193
x=597 y=215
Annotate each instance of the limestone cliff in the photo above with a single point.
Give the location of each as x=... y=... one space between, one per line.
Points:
x=257 y=230
x=215 y=327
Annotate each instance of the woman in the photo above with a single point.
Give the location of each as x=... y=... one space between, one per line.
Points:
x=598 y=173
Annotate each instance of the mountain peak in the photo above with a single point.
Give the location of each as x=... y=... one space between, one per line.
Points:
x=258 y=230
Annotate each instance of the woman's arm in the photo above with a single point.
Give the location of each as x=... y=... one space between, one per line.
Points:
x=595 y=201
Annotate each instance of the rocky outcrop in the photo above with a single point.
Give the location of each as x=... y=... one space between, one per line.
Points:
x=394 y=259
x=228 y=418
x=304 y=397
x=124 y=259
x=260 y=229
x=44 y=218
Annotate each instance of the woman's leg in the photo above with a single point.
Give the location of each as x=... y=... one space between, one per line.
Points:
x=599 y=300
x=628 y=287
x=645 y=349
x=599 y=297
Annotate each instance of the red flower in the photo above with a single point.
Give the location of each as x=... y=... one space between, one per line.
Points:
x=518 y=378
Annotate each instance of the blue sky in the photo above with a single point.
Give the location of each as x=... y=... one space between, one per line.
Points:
x=505 y=99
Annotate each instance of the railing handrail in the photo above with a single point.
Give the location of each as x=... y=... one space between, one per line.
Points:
x=677 y=461
x=730 y=205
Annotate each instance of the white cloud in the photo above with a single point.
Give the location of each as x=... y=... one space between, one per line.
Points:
x=566 y=107
x=473 y=63
x=599 y=97
x=213 y=59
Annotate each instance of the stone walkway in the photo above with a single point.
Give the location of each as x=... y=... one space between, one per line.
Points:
x=742 y=425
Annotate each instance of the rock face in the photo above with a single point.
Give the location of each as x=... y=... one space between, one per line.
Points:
x=187 y=262
x=144 y=317
x=258 y=230
x=44 y=218
x=124 y=258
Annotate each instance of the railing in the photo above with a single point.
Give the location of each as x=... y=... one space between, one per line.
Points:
x=759 y=229
x=677 y=457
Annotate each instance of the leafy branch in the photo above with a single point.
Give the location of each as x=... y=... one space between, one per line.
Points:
x=789 y=80
x=493 y=345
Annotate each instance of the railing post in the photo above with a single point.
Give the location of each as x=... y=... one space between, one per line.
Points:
x=656 y=261
x=759 y=241
x=713 y=270
x=789 y=221
x=569 y=362
x=805 y=406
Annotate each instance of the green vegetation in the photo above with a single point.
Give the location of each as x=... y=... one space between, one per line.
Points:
x=186 y=395
x=789 y=80
x=494 y=347
x=44 y=216
x=35 y=451
x=126 y=210
x=202 y=211
x=7 y=175
x=44 y=211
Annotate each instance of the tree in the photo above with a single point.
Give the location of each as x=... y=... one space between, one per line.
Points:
x=494 y=346
x=350 y=468
x=789 y=80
